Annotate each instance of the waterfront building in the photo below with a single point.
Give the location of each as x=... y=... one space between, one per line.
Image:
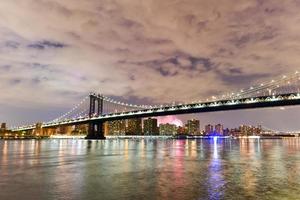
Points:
x=219 y=129
x=209 y=129
x=226 y=132
x=258 y=130
x=81 y=129
x=38 y=129
x=193 y=126
x=134 y=127
x=2 y=130
x=62 y=130
x=116 y=127
x=105 y=128
x=235 y=132
x=3 y=127
x=182 y=130
x=246 y=130
x=167 y=129
x=150 y=126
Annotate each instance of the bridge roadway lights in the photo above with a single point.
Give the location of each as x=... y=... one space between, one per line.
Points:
x=95 y=131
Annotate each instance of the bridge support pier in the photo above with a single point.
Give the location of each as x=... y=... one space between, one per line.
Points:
x=96 y=131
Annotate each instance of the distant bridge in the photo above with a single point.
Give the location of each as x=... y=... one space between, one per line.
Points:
x=96 y=109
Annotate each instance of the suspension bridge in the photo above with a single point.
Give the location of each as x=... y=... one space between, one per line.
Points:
x=96 y=109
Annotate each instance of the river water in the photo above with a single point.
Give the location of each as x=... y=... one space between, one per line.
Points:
x=150 y=169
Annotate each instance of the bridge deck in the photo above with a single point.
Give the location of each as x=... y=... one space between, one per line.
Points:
x=222 y=105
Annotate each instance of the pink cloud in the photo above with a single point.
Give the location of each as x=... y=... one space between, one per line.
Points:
x=170 y=120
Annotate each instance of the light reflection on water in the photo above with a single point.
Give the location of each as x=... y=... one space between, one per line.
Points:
x=216 y=181
x=150 y=169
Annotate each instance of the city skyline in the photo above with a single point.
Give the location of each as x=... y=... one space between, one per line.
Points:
x=151 y=127
x=144 y=127
x=50 y=60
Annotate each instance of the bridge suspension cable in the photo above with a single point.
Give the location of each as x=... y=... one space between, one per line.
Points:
x=74 y=111
x=282 y=85
x=81 y=110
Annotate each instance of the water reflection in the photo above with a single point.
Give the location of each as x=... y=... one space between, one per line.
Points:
x=178 y=166
x=4 y=156
x=150 y=169
x=216 y=181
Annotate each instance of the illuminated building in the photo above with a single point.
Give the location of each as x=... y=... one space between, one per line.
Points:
x=226 y=132
x=2 y=130
x=193 y=126
x=150 y=126
x=182 y=130
x=234 y=132
x=81 y=129
x=134 y=127
x=106 y=131
x=3 y=127
x=167 y=129
x=258 y=130
x=38 y=129
x=209 y=129
x=116 y=127
x=64 y=130
x=219 y=129
x=246 y=130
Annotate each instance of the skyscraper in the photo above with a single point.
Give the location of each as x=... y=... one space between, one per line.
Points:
x=2 y=130
x=3 y=126
x=193 y=126
x=167 y=129
x=219 y=129
x=209 y=129
x=182 y=130
x=245 y=130
x=134 y=127
x=81 y=129
x=116 y=127
x=150 y=126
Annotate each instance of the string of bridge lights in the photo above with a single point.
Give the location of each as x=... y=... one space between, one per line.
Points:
x=83 y=113
x=106 y=99
x=267 y=86
x=70 y=111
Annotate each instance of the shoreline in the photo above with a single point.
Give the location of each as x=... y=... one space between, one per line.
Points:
x=134 y=137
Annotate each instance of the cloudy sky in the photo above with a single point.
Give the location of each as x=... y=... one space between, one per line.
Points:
x=54 y=52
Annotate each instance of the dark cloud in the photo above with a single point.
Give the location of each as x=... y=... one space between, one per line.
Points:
x=38 y=80
x=70 y=94
x=132 y=77
x=127 y=23
x=15 y=81
x=235 y=71
x=253 y=37
x=177 y=64
x=36 y=66
x=149 y=41
x=5 y=68
x=235 y=77
x=166 y=71
x=201 y=64
x=12 y=44
x=42 y=45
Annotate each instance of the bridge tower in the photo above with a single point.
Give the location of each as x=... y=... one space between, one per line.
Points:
x=96 y=109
